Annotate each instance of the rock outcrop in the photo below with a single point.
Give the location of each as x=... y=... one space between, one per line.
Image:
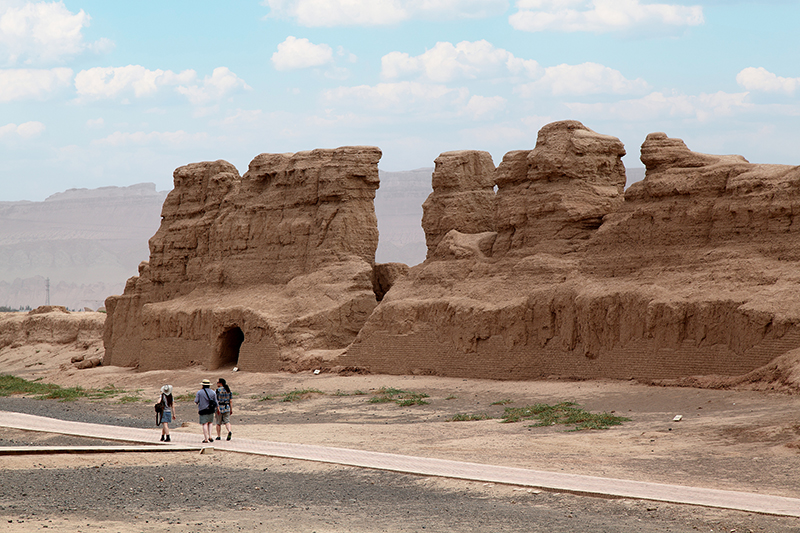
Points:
x=462 y=197
x=552 y=198
x=691 y=271
x=266 y=271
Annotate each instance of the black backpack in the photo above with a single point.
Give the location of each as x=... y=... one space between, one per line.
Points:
x=159 y=407
x=212 y=404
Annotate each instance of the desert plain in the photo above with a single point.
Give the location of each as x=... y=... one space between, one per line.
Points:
x=735 y=439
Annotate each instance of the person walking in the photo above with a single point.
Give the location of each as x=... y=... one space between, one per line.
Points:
x=206 y=402
x=224 y=407
x=168 y=413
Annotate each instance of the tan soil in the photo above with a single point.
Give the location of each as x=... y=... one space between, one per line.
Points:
x=727 y=439
x=720 y=425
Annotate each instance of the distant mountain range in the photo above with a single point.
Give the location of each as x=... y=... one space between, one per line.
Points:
x=88 y=242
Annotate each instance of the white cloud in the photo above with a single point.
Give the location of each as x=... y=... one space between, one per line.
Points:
x=160 y=138
x=400 y=97
x=586 y=78
x=466 y=60
x=337 y=73
x=351 y=57
x=519 y=132
x=296 y=53
x=26 y=130
x=760 y=79
x=657 y=105
x=219 y=85
x=19 y=84
x=95 y=123
x=136 y=80
x=600 y=15
x=42 y=32
x=331 y=13
x=484 y=107
x=110 y=82
x=242 y=117
x=414 y=98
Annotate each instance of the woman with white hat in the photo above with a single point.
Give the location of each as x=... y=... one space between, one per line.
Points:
x=168 y=413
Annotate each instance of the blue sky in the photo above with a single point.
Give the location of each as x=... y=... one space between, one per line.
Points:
x=96 y=93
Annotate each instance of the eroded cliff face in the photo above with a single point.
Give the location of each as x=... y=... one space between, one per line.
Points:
x=271 y=270
x=691 y=271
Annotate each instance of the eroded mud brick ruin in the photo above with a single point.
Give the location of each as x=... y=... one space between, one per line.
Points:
x=260 y=271
x=543 y=266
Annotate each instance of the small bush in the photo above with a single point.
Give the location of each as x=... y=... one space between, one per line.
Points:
x=567 y=413
x=129 y=399
x=189 y=398
x=381 y=399
x=49 y=391
x=414 y=398
x=468 y=418
x=303 y=394
x=502 y=402
x=398 y=396
x=109 y=391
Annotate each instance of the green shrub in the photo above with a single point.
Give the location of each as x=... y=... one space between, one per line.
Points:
x=468 y=418
x=502 y=402
x=567 y=413
x=299 y=394
x=398 y=396
x=49 y=391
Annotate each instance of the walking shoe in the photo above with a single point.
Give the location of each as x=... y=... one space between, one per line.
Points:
x=217 y=438
x=229 y=435
x=162 y=438
x=167 y=439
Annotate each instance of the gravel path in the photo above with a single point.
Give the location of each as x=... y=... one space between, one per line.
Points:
x=195 y=497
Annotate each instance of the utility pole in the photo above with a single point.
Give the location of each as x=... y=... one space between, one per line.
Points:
x=47 y=290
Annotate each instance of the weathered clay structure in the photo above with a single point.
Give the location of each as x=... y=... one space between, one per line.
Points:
x=557 y=272
x=263 y=271
x=691 y=271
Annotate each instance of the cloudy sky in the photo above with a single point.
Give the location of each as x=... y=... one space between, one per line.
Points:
x=96 y=93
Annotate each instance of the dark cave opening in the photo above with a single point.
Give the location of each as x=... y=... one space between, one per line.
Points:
x=229 y=344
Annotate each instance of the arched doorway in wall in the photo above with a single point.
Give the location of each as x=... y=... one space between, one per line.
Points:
x=228 y=346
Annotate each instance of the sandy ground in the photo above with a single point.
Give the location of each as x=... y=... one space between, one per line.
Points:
x=726 y=439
